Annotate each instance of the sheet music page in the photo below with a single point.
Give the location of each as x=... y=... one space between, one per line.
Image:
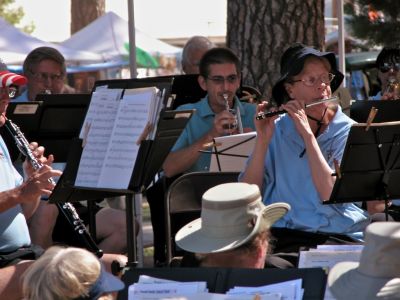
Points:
x=110 y=133
x=96 y=132
x=326 y=259
x=231 y=152
x=152 y=288
x=289 y=290
x=134 y=112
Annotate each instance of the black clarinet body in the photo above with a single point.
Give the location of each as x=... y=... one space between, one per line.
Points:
x=66 y=209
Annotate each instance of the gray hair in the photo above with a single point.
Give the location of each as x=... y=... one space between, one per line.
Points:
x=195 y=43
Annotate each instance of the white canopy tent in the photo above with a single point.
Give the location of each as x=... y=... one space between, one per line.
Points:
x=15 y=46
x=108 y=35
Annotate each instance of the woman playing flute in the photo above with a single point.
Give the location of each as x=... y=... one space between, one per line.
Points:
x=293 y=158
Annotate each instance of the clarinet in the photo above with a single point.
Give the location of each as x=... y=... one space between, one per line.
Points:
x=67 y=209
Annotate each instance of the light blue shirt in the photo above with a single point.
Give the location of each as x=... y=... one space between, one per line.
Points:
x=288 y=179
x=14 y=231
x=201 y=122
x=23 y=97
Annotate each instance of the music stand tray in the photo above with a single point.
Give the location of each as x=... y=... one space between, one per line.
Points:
x=370 y=167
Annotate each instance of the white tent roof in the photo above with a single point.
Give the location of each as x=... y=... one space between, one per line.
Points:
x=108 y=34
x=15 y=46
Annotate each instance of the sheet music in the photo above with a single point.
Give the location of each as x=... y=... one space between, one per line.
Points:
x=231 y=152
x=289 y=290
x=110 y=133
x=327 y=259
x=151 y=288
x=96 y=132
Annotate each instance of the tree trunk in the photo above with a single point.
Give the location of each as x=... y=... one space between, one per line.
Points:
x=84 y=12
x=259 y=31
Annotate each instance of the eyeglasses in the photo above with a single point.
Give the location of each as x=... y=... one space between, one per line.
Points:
x=386 y=67
x=219 y=80
x=9 y=91
x=44 y=77
x=312 y=81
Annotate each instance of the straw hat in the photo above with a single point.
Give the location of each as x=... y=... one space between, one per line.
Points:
x=377 y=275
x=292 y=63
x=232 y=214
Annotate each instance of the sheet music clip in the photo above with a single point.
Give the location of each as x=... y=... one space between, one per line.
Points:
x=337 y=169
x=371 y=117
x=85 y=133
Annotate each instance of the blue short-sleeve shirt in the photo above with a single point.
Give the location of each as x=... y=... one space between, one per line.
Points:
x=288 y=179
x=14 y=231
x=202 y=121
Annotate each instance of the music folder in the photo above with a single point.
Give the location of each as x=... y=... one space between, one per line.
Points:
x=230 y=153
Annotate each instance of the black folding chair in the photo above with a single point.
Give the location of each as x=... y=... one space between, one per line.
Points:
x=183 y=202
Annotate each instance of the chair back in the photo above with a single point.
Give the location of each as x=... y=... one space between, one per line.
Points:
x=183 y=202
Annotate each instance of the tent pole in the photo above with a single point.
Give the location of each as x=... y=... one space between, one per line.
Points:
x=132 y=41
x=342 y=50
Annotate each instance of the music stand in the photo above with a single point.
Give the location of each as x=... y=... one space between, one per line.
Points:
x=388 y=110
x=52 y=121
x=148 y=162
x=370 y=167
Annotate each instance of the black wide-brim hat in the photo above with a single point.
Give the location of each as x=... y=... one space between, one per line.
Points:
x=292 y=63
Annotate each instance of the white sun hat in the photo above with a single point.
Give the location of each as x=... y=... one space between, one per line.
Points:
x=232 y=214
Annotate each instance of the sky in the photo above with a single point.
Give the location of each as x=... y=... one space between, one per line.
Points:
x=158 y=18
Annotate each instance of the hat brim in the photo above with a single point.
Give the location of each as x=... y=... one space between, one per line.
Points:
x=346 y=282
x=297 y=64
x=194 y=239
x=106 y=283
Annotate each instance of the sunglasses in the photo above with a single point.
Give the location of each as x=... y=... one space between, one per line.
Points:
x=386 y=67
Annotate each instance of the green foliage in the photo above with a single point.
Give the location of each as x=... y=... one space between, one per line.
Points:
x=376 y=21
x=14 y=15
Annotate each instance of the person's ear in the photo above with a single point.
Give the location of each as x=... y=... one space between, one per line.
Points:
x=289 y=90
x=202 y=82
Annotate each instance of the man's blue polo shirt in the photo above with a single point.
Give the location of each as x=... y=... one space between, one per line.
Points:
x=202 y=121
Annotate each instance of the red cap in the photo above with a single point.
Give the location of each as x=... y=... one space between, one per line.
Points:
x=8 y=78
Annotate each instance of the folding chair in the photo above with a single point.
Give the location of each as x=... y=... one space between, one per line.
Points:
x=183 y=202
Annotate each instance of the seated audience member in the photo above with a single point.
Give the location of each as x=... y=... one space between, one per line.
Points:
x=388 y=64
x=192 y=53
x=233 y=230
x=219 y=76
x=294 y=154
x=45 y=69
x=377 y=274
x=69 y=273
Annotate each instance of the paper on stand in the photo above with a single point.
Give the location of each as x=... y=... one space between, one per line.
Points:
x=110 y=133
x=230 y=153
x=328 y=256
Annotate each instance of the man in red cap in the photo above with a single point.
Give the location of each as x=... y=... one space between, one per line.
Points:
x=18 y=198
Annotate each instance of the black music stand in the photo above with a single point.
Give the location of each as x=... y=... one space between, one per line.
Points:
x=148 y=162
x=370 y=167
x=388 y=110
x=52 y=121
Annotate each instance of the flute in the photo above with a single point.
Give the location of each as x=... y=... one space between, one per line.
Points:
x=264 y=115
